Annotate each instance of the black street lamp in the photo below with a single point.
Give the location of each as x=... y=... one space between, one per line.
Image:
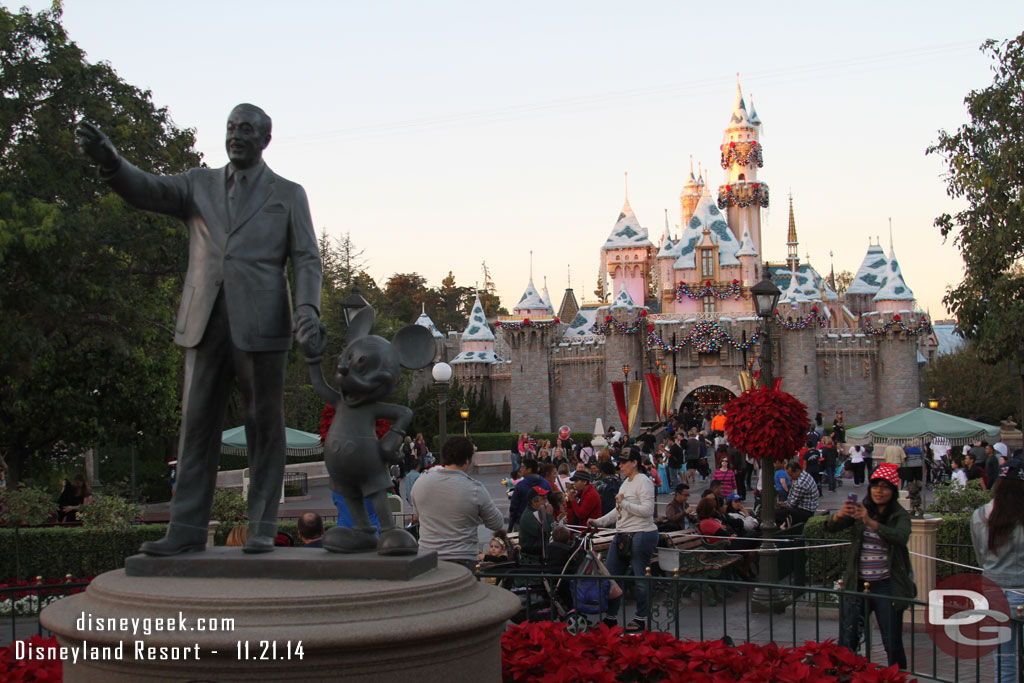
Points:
x=442 y=374
x=766 y=300
x=464 y=414
x=351 y=304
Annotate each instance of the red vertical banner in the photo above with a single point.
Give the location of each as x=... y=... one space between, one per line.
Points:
x=777 y=384
x=619 y=392
x=654 y=385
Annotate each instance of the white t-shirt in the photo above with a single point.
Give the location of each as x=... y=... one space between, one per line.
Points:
x=960 y=477
x=856 y=454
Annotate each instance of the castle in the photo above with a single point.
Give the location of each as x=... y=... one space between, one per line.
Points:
x=682 y=308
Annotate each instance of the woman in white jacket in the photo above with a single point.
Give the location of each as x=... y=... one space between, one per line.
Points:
x=997 y=529
x=636 y=535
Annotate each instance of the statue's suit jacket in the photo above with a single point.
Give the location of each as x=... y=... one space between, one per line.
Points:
x=246 y=257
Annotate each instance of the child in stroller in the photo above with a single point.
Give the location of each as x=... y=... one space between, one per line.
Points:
x=555 y=596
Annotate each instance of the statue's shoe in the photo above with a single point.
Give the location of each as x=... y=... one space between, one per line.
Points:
x=340 y=539
x=396 y=542
x=258 y=544
x=173 y=545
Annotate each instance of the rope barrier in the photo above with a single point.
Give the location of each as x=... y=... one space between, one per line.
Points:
x=757 y=550
x=939 y=559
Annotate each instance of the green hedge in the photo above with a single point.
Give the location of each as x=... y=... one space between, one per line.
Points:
x=953 y=541
x=503 y=441
x=56 y=551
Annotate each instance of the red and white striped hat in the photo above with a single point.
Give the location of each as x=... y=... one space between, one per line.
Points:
x=889 y=473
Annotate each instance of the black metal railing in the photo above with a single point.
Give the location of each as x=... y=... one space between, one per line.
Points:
x=296 y=484
x=711 y=609
x=20 y=607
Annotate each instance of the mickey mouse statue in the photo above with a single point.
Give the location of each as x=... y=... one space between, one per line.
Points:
x=357 y=462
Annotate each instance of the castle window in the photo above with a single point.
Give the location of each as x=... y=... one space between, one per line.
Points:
x=709 y=304
x=707 y=263
x=743 y=176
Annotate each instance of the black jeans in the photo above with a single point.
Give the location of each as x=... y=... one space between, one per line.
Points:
x=889 y=615
x=858 y=472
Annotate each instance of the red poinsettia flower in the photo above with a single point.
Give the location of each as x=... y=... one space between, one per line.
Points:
x=896 y=317
x=526 y=321
x=707 y=283
x=650 y=328
x=557 y=320
x=735 y=281
x=383 y=426
x=326 y=418
x=766 y=423
x=814 y=309
x=643 y=312
x=607 y=318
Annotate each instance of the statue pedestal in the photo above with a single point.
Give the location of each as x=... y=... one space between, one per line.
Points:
x=439 y=625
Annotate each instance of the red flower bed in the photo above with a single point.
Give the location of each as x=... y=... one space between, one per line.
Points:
x=33 y=587
x=545 y=651
x=16 y=670
x=766 y=423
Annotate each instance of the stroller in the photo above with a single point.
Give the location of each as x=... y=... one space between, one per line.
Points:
x=555 y=597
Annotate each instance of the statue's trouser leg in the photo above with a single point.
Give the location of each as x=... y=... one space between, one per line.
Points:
x=209 y=373
x=261 y=381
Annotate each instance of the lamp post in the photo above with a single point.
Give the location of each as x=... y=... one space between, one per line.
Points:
x=933 y=403
x=464 y=414
x=442 y=373
x=351 y=304
x=766 y=299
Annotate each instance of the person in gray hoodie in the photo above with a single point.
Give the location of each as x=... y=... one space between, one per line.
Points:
x=997 y=529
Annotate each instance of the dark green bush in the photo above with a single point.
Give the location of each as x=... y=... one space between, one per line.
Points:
x=56 y=551
x=825 y=566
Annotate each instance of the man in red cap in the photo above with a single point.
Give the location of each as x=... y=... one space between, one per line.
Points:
x=584 y=502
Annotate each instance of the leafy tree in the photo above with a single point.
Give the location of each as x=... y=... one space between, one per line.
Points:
x=454 y=305
x=985 y=161
x=90 y=285
x=843 y=281
x=967 y=386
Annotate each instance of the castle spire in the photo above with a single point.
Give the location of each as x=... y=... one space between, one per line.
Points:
x=792 y=244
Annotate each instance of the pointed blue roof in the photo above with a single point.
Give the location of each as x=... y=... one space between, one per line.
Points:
x=895 y=289
x=746 y=247
x=627 y=231
x=872 y=274
x=476 y=328
x=531 y=300
x=707 y=214
x=425 y=321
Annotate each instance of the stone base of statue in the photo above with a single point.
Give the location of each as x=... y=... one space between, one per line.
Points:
x=439 y=625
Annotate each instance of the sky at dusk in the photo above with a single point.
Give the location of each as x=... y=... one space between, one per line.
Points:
x=445 y=134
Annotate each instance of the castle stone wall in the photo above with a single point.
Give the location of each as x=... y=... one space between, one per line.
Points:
x=530 y=378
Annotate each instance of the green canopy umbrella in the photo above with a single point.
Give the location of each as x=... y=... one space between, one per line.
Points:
x=922 y=423
x=296 y=442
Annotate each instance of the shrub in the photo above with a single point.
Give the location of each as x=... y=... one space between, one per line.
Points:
x=229 y=508
x=109 y=513
x=25 y=507
x=60 y=550
x=956 y=499
x=503 y=441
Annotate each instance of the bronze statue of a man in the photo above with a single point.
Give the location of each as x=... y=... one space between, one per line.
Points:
x=235 y=320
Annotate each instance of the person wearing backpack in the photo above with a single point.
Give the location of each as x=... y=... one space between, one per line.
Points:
x=607 y=487
x=813 y=465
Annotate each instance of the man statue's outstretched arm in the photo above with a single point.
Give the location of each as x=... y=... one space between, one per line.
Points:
x=164 y=194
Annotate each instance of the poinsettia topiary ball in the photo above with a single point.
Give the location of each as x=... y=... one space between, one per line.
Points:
x=766 y=423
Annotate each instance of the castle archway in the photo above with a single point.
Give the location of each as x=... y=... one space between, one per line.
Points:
x=709 y=391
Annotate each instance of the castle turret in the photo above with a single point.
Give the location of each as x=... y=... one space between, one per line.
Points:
x=894 y=294
x=531 y=304
x=792 y=244
x=748 y=258
x=872 y=275
x=742 y=194
x=477 y=342
x=692 y=191
x=628 y=255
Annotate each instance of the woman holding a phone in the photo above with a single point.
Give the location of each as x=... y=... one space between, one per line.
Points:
x=879 y=563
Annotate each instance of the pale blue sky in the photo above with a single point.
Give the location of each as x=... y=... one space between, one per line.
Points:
x=443 y=134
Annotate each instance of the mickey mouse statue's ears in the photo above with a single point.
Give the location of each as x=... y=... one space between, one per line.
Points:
x=415 y=346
